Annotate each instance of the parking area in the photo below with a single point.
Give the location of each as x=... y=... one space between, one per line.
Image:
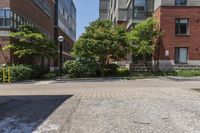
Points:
x=118 y=106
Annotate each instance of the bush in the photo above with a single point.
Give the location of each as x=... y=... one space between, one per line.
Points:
x=110 y=69
x=123 y=72
x=24 y=72
x=50 y=75
x=38 y=71
x=20 y=72
x=78 y=69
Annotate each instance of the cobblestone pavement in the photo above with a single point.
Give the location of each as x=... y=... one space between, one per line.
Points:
x=118 y=106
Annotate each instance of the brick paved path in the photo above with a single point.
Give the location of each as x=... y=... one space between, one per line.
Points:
x=139 y=106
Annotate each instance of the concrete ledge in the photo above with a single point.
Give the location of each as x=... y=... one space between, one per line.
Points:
x=183 y=78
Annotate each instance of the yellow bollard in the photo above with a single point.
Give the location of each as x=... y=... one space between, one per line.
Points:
x=9 y=75
x=6 y=74
x=3 y=74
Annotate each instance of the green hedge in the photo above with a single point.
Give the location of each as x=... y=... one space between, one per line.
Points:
x=183 y=73
x=25 y=72
x=78 y=69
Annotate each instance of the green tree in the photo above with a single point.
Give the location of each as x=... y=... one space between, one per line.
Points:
x=100 y=42
x=29 y=41
x=143 y=38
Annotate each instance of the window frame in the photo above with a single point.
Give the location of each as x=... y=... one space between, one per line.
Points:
x=181 y=4
x=177 y=60
x=187 y=28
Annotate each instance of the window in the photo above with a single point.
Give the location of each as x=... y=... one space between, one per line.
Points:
x=182 y=27
x=44 y=5
x=180 y=2
x=181 y=55
x=140 y=8
x=63 y=12
x=4 y=18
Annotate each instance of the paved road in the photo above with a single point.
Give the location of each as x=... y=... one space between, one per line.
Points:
x=138 y=106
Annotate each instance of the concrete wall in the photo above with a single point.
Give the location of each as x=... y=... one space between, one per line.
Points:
x=158 y=3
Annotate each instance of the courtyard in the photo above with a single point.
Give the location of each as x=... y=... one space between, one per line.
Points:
x=110 y=106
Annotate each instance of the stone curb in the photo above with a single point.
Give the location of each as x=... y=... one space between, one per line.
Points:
x=183 y=78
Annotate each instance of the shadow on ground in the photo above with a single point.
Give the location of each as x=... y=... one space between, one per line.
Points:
x=26 y=113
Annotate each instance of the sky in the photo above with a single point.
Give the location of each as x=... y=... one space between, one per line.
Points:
x=87 y=11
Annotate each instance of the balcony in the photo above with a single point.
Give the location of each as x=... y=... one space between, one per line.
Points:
x=137 y=17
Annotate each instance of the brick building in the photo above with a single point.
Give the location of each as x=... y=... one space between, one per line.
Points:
x=43 y=14
x=180 y=22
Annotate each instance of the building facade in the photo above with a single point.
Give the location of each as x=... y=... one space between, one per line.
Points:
x=52 y=17
x=138 y=10
x=20 y=12
x=179 y=20
x=114 y=10
x=65 y=25
x=104 y=8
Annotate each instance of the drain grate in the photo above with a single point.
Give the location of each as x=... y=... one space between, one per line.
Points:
x=196 y=89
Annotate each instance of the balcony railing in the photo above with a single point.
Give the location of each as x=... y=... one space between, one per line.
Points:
x=139 y=16
x=142 y=15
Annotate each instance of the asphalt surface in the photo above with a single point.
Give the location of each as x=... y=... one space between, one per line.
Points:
x=138 y=106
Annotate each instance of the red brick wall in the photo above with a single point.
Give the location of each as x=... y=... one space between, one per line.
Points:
x=167 y=17
x=4 y=3
x=33 y=13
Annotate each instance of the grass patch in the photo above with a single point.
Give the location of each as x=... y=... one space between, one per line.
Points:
x=188 y=73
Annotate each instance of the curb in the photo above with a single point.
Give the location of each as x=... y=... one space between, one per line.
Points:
x=183 y=78
x=90 y=79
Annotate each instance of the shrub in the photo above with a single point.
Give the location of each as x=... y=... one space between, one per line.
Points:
x=50 y=75
x=123 y=72
x=1 y=78
x=25 y=72
x=78 y=69
x=38 y=71
x=110 y=69
x=20 y=72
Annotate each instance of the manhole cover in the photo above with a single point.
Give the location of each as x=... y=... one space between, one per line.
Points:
x=196 y=89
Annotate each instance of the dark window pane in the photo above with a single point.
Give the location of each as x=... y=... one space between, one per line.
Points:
x=2 y=13
x=7 y=13
x=180 y=2
x=182 y=27
x=177 y=27
x=1 y=21
x=176 y=55
x=181 y=55
x=7 y=22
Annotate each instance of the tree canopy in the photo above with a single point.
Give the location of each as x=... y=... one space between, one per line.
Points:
x=144 y=36
x=102 y=41
x=29 y=41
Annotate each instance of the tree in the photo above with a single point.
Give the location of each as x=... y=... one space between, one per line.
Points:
x=29 y=41
x=143 y=38
x=100 y=42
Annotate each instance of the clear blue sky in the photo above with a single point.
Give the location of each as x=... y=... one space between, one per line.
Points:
x=87 y=11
